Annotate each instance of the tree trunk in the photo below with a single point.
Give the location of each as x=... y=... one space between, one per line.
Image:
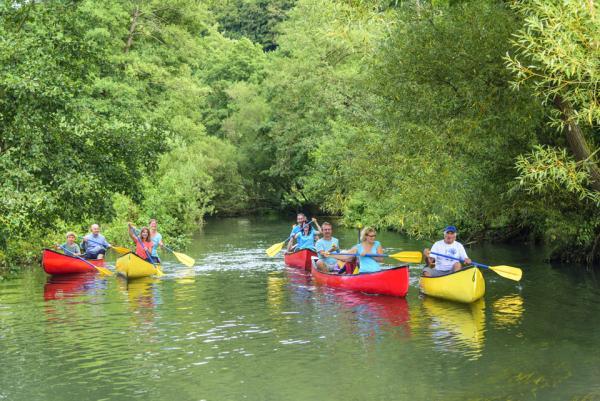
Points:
x=134 y=20
x=577 y=141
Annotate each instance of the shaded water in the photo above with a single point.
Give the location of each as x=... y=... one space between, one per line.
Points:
x=239 y=325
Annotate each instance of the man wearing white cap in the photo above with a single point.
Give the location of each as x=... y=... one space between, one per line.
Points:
x=448 y=246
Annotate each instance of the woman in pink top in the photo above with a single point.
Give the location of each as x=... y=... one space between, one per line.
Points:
x=144 y=236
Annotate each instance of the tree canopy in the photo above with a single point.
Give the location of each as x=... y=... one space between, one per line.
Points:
x=408 y=115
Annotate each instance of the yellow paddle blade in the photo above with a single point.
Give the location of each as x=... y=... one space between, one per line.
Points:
x=120 y=249
x=509 y=272
x=159 y=272
x=185 y=259
x=274 y=249
x=408 y=256
x=104 y=270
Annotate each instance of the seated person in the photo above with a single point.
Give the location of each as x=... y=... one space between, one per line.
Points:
x=306 y=238
x=448 y=246
x=143 y=245
x=367 y=245
x=94 y=243
x=324 y=246
x=70 y=247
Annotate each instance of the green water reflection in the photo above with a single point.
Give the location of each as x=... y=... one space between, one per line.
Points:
x=239 y=325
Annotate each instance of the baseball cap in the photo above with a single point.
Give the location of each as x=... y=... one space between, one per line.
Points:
x=450 y=229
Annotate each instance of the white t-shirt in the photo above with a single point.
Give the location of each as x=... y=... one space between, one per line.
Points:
x=454 y=249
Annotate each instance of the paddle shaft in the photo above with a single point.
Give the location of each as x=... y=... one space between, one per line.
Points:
x=460 y=260
x=370 y=255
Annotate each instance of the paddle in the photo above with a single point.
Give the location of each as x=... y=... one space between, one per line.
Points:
x=119 y=249
x=183 y=258
x=405 y=256
x=149 y=260
x=509 y=272
x=276 y=248
x=102 y=270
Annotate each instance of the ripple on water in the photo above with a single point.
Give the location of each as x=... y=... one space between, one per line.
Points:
x=242 y=325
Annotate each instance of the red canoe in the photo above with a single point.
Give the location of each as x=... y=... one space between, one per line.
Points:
x=299 y=258
x=386 y=282
x=58 y=263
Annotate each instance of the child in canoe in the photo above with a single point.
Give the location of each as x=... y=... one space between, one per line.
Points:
x=70 y=248
x=146 y=242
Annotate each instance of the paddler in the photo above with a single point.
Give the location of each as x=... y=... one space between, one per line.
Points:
x=326 y=245
x=144 y=242
x=447 y=246
x=300 y=221
x=94 y=243
x=70 y=247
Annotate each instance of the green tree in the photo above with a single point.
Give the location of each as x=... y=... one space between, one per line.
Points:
x=310 y=82
x=438 y=144
x=557 y=55
x=256 y=20
x=94 y=98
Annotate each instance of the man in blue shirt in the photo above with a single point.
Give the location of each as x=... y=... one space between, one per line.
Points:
x=94 y=243
x=300 y=220
x=326 y=245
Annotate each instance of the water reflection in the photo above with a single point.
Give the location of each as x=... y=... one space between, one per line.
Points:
x=68 y=285
x=185 y=275
x=457 y=327
x=275 y=291
x=508 y=310
x=299 y=285
x=376 y=309
x=141 y=292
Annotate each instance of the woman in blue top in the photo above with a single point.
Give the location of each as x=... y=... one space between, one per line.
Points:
x=306 y=238
x=368 y=245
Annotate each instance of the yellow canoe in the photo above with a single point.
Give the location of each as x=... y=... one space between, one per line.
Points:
x=466 y=285
x=132 y=266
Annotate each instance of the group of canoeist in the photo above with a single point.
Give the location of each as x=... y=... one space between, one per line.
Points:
x=94 y=245
x=305 y=235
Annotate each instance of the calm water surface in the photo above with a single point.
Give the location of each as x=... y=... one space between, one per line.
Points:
x=242 y=326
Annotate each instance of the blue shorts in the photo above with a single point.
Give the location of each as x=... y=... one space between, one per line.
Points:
x=94 y=255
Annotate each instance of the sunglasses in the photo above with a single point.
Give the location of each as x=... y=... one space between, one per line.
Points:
x=372 y=235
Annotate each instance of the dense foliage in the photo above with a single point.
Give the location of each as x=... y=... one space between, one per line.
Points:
x=403 y=114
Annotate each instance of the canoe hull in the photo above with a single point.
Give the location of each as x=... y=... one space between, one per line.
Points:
x=300 y=259
x=58 y=263
x=466 y=285
x=132 y=266
x=392 y=282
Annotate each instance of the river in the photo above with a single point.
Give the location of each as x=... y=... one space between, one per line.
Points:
x=242 y=326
